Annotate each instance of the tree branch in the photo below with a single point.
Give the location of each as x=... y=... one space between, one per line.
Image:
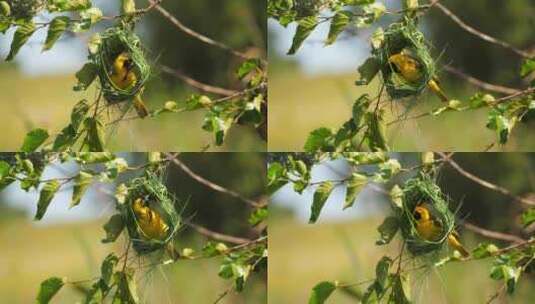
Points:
x=493 y=234
x=195 y=34
x=480 y=34
x=197 y=84
x=210 y=184
x=479 y=83
x=216 y=235
x=485 y=183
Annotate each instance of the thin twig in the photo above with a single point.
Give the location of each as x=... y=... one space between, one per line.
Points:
x=197 y=84
x=485 y=183
x=480 y=83
x=216 y=235
x=493 y=234
x=197 y=35
x=518 y=94
x=210 y=184
x=480 y=34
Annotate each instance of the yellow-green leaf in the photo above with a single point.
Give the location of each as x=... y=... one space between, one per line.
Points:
x=81 y=183
x=354 y=186
x=48 y=289
x=56 y=28
x=320 y=197
x=45 y=197
x=34 y=139
x=23 y=33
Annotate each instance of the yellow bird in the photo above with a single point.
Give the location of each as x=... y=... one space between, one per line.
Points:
x=124 y=78
x=150 y=222
x=430 y=230
x=410 y=69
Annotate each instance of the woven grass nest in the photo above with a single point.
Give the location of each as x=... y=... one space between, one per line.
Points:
x=151 y=189
x=115 y=41
x=416 y=191
x=404 y=36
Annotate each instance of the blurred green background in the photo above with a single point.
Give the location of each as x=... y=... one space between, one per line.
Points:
x=67 y=242
x=36 y=90
x=315 y=87
x=341 y=246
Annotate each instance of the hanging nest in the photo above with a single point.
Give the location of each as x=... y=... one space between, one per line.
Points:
x=115 y=41
x=154 y=193
x=404 y=36
x=424 y=190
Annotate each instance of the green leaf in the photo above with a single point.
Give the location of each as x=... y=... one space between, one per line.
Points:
x=359 y=109
x=65 y=139
x=400 y=290
x=321 y=292
x=528 y=217
x=94 y=157
x=319 y=140
x=106 y=269
x=126 y=288
x=528 y=67
x=68 y=5
x=113 y=228
x=45 y=197
x=368 y=70
x=276 y=176
x=86 y=75
x=23 y=33
x=81 y=183
x=484 y=250
x=339 y=21
x=381 y=273
x=34 y=139
x=48 y=289
x=304 y=29
x=57 y=26
x=320 y=197
x=354 y=186
x=396 y=195
x=5 y=9
x=258 y=216
x=128 y=6
x=387 y=230
x=501 y=124
x=508 y=273
x=247 y=67
x=94 y=141
x=78 y=113
x=375 y=133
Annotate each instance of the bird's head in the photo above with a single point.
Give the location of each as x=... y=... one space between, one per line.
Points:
x=123 y=60
x=139 y=207
x=421 y=213
x=397 y=60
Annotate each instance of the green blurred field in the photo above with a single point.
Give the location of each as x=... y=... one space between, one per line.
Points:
x=46 y=102
x=30 y=254
x=303 y=255
x=300 y=104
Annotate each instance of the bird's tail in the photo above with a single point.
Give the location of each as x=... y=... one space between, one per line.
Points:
x=433 y=85
x=453 y=241
x=140 y=107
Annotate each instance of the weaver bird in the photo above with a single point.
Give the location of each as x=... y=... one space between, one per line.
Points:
x=124 y=78
x=431 y=230
x=410 y=70
x=149 y=221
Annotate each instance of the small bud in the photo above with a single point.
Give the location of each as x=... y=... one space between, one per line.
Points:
x=5 y=9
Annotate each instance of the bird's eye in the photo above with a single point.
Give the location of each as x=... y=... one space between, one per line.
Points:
x=417 y=215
